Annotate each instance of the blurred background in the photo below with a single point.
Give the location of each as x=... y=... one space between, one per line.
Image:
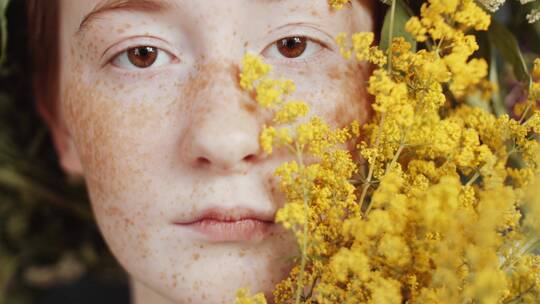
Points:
x=50 y=247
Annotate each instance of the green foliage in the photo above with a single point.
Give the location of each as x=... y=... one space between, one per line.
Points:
x=3 y=29
x=395 y=27
x=508 y=47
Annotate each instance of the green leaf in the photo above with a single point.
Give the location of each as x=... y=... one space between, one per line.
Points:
x=402 y=14
x=497 y=102
x=3 y=30
x=507 y=45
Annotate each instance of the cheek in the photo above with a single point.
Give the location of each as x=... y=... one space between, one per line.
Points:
x=352 y=100
x=338 y=93
x=114 y=129
x=116 y=132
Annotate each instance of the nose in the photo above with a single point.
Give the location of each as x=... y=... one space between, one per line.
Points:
x=225 y=129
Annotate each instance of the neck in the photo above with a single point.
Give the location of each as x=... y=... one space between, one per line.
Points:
x=141 y=294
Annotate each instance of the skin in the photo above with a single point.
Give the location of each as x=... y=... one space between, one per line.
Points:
x=161 y=143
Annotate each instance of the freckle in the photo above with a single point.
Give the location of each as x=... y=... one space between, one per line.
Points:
x=334 y=73
x=196 y=256
x=114 y=211
x=175 y=281
x=120 y=31
x=249 y=107
x=127 y=222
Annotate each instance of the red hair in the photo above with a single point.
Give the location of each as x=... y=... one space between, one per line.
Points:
x=43 y=26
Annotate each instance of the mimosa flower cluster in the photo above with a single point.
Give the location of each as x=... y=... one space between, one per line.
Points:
x=446 y=207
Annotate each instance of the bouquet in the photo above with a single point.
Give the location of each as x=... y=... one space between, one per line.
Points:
x=445 y=205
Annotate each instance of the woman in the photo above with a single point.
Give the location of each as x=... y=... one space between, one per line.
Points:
x=142 y=101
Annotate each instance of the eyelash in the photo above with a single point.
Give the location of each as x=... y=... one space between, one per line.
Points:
x=301 y=60
x=122 y=56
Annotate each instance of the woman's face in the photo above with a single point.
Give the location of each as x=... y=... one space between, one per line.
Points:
x=163 y=132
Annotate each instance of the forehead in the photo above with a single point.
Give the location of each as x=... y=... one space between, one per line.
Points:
x=78 y=14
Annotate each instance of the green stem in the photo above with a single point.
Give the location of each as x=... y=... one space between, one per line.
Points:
x=300 y=282
x=520 y=296
x=473 y=179
x=395 y=158
x=392 y=163
x=496 y=100
x=526 y=248
x=371 y=166
x=391 y=34
x=525 y=112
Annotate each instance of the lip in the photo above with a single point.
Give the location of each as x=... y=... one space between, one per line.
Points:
x=230 y=225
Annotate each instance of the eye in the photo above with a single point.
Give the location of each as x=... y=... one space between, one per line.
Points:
x=293 y=47
x=141 y=57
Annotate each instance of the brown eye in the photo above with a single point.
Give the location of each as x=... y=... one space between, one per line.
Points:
x=142 y=56
x=292 y=47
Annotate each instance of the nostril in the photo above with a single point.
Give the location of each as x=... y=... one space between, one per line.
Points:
x=250 y=158
x=203 y=161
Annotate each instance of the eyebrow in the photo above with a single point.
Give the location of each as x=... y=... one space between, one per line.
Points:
x=147 y=6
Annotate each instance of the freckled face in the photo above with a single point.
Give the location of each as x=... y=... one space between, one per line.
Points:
x=151 y=99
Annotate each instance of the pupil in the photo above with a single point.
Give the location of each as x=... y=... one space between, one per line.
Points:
x=143 y=51
x=292 y=42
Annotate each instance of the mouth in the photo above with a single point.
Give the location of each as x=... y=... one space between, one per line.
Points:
x=230 y=225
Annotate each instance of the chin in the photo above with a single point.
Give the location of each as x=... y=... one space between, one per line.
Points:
x=187 y=271
x=216 y=279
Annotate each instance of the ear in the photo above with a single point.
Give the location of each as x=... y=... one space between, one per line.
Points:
x=68 y=157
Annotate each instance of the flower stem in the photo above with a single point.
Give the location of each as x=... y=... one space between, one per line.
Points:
x=391 y=34
x=524 y=114
x=371 y=167
x=473 y=179
x=300 y=282
x=395 y=158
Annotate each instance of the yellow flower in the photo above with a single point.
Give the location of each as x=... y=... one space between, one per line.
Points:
x=291 y=111
x=415 y=28
x=267 y=138
x=473 y=16
x=253 y=69
x=242 y=297
x=271 y=137
x=361 y=43
x=338 y=4
x=341 y=41
x=270 y=92
x=536 y=69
